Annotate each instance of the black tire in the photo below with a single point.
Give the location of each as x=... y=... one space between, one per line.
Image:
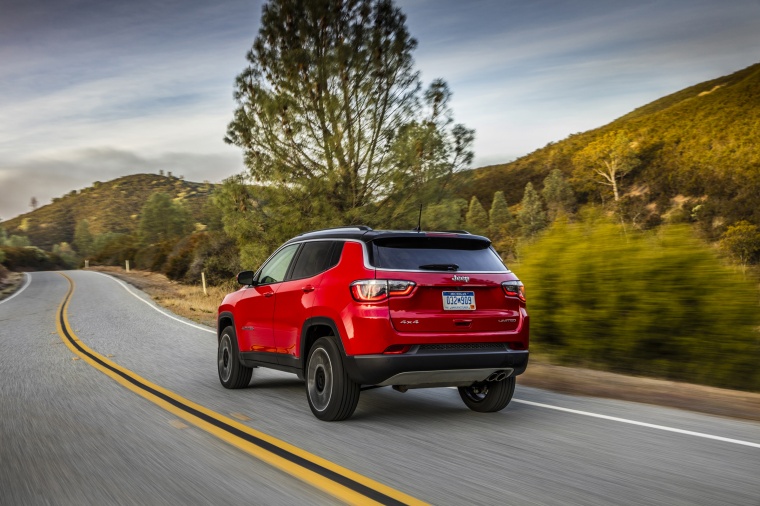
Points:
x=232 y=373
x=332 y=395
x=490 y=396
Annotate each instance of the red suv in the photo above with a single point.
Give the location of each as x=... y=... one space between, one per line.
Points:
x=354 y=308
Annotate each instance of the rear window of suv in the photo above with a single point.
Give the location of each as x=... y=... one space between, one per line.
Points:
x=435 y=254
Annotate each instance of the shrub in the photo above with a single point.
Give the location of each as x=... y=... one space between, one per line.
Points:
x=654 y=304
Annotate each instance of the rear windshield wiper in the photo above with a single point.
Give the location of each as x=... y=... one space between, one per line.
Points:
x=439 y=267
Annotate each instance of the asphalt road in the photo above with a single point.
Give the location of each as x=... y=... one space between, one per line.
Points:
x=71 y=434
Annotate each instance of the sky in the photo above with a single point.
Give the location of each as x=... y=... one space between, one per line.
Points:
x=91 y=90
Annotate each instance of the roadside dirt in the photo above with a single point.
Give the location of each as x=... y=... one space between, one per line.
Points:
x=10 y=283
x=190 y=302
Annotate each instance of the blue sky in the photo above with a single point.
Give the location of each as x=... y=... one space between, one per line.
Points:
x=93 y=90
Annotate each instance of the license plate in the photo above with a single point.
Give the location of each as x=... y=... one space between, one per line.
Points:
x=459 y=301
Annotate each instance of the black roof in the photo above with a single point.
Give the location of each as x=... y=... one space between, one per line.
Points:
x=367 y=234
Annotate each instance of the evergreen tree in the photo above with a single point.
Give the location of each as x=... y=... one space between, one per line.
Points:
x=559 y=197
x=531 y=216
x=162 y=220
x=476 y=218
x=83 y=239
x=500 y=219
x=329 y=111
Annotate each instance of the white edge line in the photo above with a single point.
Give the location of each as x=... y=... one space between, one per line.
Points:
x=124 y=285
x=641 y=424
x=28 y=281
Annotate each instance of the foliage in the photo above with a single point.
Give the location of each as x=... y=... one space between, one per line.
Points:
x=31 y=258
x=329 y=111
x=476 y=218
x=112 y=248
x=162 y=220
x=83 y=238
x=67 y=254
x=558 y=195
x=17 y=241
x=531 y=215
x=179 y=259
x=501 y=225
x=256 y=227
x=445 y=215
x=217 y=256
x=607 y=160
x=742 y=242
x=642 y=303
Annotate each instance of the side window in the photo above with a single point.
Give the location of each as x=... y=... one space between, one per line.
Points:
x=314 y=258
x=275 y=269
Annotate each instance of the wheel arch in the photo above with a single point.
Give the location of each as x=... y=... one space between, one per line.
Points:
x=224 y=320
x=313 y=329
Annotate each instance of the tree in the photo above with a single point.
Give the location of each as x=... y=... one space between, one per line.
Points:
x=33 y=203
x=162 y=220
x=18 y=241
x=742 y=242
x=477 y=217
x=445 y=215
x=501 y=224
x=531 y=216
x=607 y=160
x=559 y=197
x=83 y=239
x=329 y=110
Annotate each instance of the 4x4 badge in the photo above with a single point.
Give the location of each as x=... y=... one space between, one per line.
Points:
x=461 y=278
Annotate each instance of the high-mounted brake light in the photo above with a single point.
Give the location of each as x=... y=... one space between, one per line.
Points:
x=514 y=289
x=376 y=290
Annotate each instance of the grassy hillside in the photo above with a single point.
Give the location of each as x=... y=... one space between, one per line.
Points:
x=699 y=146
x=113 y=206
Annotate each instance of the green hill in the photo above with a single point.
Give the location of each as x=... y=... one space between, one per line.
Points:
x=698 y=147
x=113 y=206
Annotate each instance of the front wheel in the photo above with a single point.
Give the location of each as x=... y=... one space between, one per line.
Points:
x=331 y=393
x=488 y=396
x=232 y=373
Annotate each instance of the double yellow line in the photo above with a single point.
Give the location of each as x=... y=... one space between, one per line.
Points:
x=338 y=481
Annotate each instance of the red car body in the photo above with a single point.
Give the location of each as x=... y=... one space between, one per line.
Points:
x=389 y=324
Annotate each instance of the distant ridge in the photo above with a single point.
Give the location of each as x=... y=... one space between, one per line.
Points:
x=699 y=144
x=112 y=206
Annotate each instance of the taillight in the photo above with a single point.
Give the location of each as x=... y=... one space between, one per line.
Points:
x=376 y=290
x=514 y=289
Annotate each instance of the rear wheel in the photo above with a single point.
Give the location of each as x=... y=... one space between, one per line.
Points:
x=488 y=396
x=232 y=373
x=331 y=393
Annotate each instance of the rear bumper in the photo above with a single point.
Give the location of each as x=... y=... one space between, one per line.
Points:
x=426 y=368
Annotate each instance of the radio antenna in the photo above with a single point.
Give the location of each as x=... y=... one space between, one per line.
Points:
x=419 y=221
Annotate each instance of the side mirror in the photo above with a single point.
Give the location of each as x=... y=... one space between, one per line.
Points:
x=245 y=278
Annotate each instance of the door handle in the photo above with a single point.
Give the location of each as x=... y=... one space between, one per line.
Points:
x=308 y=288
x=268 y=294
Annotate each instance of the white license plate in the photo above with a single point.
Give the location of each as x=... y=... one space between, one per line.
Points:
x=459 y=301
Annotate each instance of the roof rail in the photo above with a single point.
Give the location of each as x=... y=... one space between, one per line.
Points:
x=363 y=228
x=456 y=231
